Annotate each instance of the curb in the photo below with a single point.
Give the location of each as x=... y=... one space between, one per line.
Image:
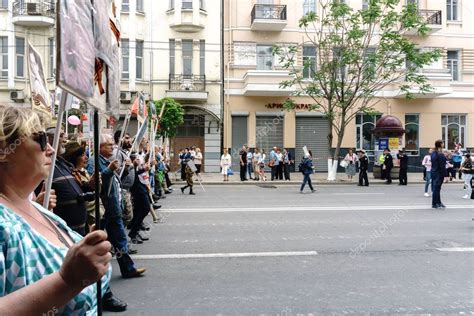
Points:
x=287 y=183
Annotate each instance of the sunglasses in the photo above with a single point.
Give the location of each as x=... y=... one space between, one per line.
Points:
x=42 y=139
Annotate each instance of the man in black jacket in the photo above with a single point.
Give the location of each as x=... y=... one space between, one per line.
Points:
x=363 y=167
x=402 y=176
x=388 y=165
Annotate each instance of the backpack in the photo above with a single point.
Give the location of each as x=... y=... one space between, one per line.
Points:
x=301 y=166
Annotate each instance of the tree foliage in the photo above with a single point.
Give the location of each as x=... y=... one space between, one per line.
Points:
x=358 y=54
x=173 y=116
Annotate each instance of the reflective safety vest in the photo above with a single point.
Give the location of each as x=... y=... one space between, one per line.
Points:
x=381 y=159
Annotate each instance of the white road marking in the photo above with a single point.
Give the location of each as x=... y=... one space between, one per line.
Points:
x=311 y=208
x=227 y=255
x=355 y=193
x=457 y=249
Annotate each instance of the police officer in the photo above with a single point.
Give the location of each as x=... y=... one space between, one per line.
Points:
x=363 y=167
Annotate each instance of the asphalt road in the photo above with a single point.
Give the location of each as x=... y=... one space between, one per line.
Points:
x=250 y=250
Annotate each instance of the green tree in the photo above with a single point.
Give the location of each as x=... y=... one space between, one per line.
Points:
x=172 y=117
x=358 y=54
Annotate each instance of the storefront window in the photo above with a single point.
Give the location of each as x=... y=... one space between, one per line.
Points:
x=453 y=127
x=412 y=134
x=365 y=124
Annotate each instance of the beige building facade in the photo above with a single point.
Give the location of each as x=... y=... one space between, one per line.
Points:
x=20 y=22
x=168 y=48
x=172 y=49
x=253 y=112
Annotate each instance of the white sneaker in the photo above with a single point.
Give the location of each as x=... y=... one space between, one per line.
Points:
x=465 y=197
x=427 y=194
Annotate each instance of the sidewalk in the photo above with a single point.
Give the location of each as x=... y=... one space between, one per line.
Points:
x=297 y=178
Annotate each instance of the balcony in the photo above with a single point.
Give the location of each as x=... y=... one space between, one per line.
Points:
x=440 y=80
x=266 y=83
x=187 y=19
x=268 y=17
x=433 y=18
x=189 y=88
x=35 y=13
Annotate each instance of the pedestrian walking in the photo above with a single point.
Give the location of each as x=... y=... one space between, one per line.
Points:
x=243 y=163
x=363 y=168
x=387 y=165
x=427 y=164
x=306 y=167
x=457 y=160
x=467 y=170
x=402 y=175
x=226 y=161
x=189 y=179
x=350 y=160
x=438 y=173
x=287 y=162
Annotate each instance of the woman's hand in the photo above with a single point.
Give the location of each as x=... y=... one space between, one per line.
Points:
x=52 y=198
x=87 y=261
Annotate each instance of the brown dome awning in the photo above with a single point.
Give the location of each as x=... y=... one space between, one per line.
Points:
x=389 y=125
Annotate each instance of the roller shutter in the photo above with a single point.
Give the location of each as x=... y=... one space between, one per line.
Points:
x=239 y=137
x=312 y=132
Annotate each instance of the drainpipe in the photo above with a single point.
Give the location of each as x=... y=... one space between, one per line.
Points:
x=222 y=75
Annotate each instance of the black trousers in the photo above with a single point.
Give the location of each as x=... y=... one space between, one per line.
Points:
x=183 y=172
x=403 y=177
x=436 y=183
x=363 y=178
x=273 y=171
x=243 y=171
x=141 y=208
x=279 y=171
x=383 y=173
x=388 y=175
x=286 y=171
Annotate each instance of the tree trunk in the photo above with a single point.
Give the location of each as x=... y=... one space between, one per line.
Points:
x=332 y=166
x=334 y=162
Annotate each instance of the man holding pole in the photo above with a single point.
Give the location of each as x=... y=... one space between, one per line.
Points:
x=113 y=222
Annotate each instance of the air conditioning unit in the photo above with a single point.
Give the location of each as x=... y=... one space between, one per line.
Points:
x=17 y=96
x=125 y=97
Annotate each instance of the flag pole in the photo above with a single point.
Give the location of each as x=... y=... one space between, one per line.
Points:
x=97 y=200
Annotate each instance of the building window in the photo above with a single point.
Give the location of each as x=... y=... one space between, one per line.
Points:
x=309 y=6
x=140 y=6
x=3 y=56
x=264 y=57
x=3 y=4
x=125 y=6
x=187 y=57
x=201 y=5
x=339 y=63
x=453 y=64
x=202 y=57
x=365 y=139
x=171 y=5
x=415 y=2
x=187 y=4
x=20 y=56
x=51 y=59
x=125 y=58
x=452 y=10
x=412 y=134
x=365 y=4
x=139 y=59
x=172 y=56
x=309 y=61
x=453 y=128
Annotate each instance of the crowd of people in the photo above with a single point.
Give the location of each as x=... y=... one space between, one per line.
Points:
x=70 y=254
x=51 y=257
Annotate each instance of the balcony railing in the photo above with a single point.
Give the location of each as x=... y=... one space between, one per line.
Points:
x=34 y=8
x=269 y=12
x=431 y=16
x=196 y=83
